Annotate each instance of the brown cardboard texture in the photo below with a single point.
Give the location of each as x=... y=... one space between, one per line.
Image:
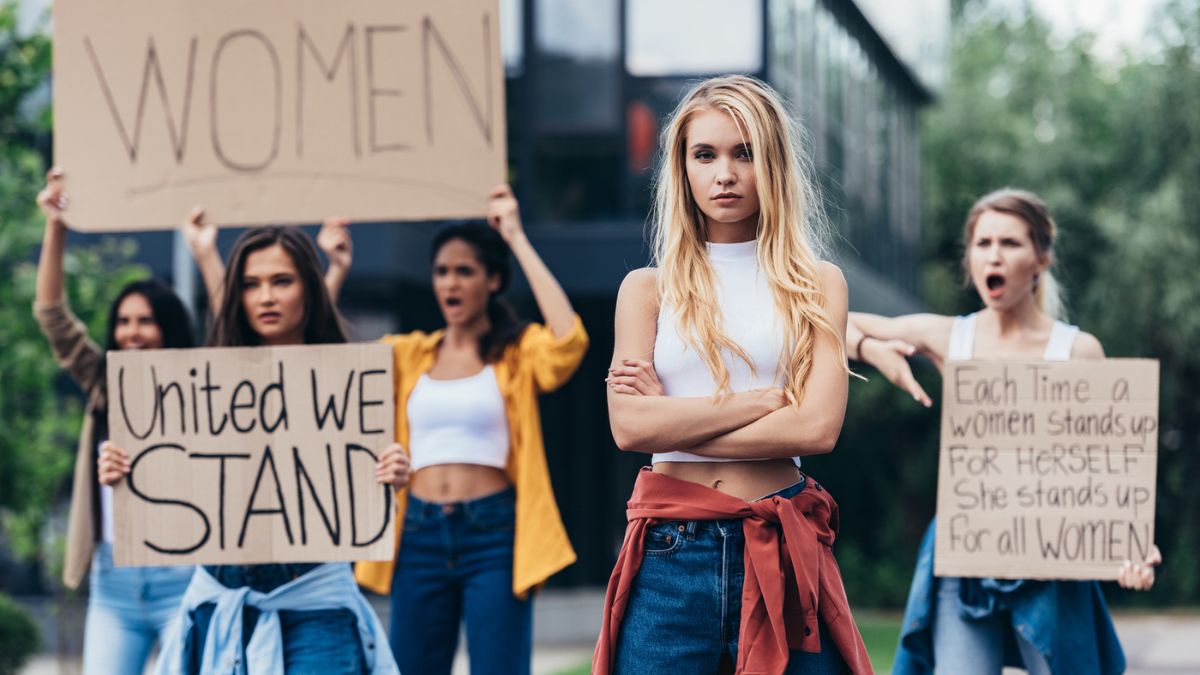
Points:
x=252 y=454
x=276 y=112
x=1046 y=470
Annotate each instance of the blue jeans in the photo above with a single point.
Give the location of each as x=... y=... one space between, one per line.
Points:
x=314 y=641
x=968 y=645
x=128 y=609
x=455 y=564
x=685 y=606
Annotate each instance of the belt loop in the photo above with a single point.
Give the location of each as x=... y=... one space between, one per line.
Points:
x=691 y=530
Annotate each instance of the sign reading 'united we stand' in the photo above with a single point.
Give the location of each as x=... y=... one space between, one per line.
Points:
x=252 y=455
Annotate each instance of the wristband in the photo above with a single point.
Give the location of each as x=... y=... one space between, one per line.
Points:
x=858 y=346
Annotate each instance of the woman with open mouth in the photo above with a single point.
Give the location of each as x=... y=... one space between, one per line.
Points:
x=1057 y=626
x=478 y=529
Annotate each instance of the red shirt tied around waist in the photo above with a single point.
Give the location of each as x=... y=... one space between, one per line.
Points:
x=791 y=575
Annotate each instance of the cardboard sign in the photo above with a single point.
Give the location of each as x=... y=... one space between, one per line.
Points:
x=251 y=455
x=1046 y=469
x=269 y=111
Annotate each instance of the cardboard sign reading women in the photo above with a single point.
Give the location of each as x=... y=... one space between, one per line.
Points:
x=269 y=112
x=1047 y=470
x=251 y=455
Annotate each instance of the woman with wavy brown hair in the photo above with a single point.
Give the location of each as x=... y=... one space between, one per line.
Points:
x=278 y=617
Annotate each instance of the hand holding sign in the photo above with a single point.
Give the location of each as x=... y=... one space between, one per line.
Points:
x=113 y=464
x=1140 y=576
x=52 y=199
x=393 y=468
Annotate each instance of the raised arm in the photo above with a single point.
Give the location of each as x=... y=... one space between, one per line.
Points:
x=53 y=202
x=334 y=240
x=74 y=350
x=201 y=239
x=504 y=215
x=665 y=423
x=812 y=426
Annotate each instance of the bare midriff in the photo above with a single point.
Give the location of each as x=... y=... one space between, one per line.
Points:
x=744 y=480
x=445 y=483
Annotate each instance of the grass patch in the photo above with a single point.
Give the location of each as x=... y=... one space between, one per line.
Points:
x=881 y=633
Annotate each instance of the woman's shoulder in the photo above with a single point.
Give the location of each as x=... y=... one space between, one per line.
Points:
x=639 y=287
x=1087 y=346
x=411 y=341
x=641 y=279
x=833 y=280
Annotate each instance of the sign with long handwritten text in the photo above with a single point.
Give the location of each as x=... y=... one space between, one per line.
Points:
x=251 y=455
x=268 y=112
x=1047 y=470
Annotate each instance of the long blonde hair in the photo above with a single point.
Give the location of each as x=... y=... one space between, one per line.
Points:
x=792 y=231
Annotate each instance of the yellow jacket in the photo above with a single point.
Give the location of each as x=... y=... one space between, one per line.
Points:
x=536 y=363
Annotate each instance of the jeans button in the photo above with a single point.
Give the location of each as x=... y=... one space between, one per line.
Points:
x=682 y=527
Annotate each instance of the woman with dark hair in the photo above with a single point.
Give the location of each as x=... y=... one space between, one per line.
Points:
x=961 y=625
x=294 y=618
x=481 y=529
x=128 y=608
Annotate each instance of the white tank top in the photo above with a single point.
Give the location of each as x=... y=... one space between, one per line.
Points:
x=748 y=314
x=962 y=340
x=458 y=421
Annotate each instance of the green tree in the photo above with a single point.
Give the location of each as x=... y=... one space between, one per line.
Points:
x=41 y=412
x=1114 y=149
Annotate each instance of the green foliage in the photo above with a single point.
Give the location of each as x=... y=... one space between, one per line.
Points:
x=882 y=474
x=18 y=637
x=40 y=426
x=1114 y=148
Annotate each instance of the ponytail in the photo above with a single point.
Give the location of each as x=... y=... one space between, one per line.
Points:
x=1049 y=296
x=506 y=329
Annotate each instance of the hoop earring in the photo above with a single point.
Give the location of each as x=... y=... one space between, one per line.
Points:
x=1035 y=282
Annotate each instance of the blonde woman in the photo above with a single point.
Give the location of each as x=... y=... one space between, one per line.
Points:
x=729 y=365
x=973 y=625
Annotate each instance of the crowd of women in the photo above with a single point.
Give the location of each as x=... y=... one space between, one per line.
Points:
x=730 y=365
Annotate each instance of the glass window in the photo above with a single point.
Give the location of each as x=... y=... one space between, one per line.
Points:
x=578 y=81
x=584 y=30
x=693 y=37
x=512 y=36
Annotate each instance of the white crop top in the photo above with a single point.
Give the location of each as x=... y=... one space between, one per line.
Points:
x=458 y=421
x=962 y=340
x=748 y=313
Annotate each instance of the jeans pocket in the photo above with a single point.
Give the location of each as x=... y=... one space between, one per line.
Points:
x=663 y=539
x=413 y=521
x=492 y=518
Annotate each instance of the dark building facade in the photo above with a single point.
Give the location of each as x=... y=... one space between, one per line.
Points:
x=589 y=83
